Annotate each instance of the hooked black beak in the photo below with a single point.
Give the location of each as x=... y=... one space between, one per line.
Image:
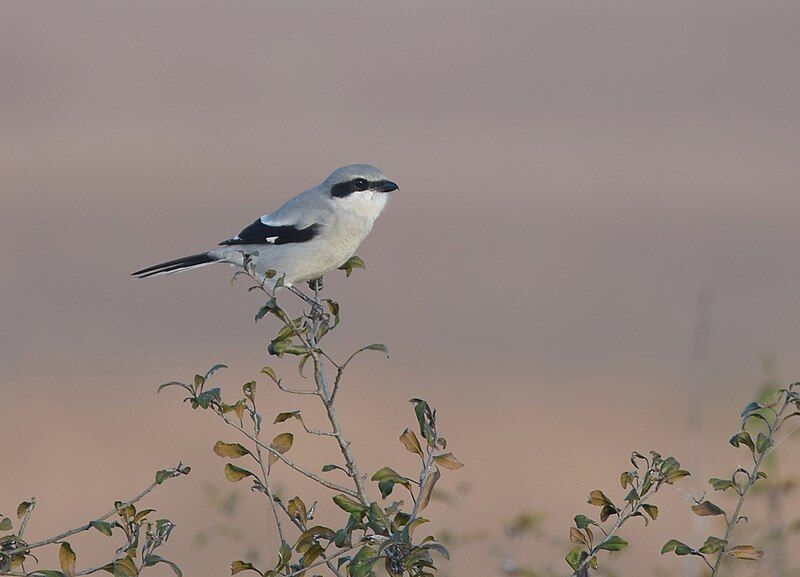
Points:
x=385 y=186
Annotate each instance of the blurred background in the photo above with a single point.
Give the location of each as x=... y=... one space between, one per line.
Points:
x=593 y=248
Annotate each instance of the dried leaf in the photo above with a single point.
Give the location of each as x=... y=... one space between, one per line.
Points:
x=448 y=461
x=66 y=558
x=410 y=442
x=746 y=552
x=426 y=490
x=707 y=509
x=281 y=443
x=235 y=474
x=230 y=450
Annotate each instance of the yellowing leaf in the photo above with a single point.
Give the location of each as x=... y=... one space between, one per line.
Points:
x=746 y=552
x=448 y=461
x=281 y=444
x=230 y=450
x=235 y=474
x=239 y=566
x=66 y=558
x=297 y=509
x=576 y=536
x=410 y=442
x=23 y=508
x=270 y=372
x=426 y=490
x=707 y=509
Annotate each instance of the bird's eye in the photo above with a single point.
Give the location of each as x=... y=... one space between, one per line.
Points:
x=360 y=184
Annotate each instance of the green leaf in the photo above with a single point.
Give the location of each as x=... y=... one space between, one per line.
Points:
x=163 y=475
x=387 y=478
x=712 y=545
x=613 y=543
x=675 y=475
x=377 y=347
x=352 y=263
x=743 y=438
x=573 y=558
x=175 y=384
x=104 y=527
x=207 y=398
x=46 y=573
x=707 y=509
x=213 y=370
x=331 y=467
x=235 y=474
x=677 y=547
x=270 y=372
x=230 y=450
x=441 y=549
x=763 y=442
x=651 y=510
x=361 y=565
x=151 y=560
x=425 y=419
x=5 y=524
x=721 y=484
x=349 y=505
x=66 y=558
x=750 y=409
x=582 y=521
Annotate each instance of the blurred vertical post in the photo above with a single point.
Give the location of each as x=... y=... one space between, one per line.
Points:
x=696 y=378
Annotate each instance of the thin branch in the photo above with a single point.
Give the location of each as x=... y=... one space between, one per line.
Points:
x=752 y=477
x=291 y=463
x=325 y=561
x=177 y=471
x=423 y=475
x=295 y=391
x=628 y=511
x=302 y=527
x=265 y=471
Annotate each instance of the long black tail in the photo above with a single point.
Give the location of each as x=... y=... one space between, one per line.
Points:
x=177 y=265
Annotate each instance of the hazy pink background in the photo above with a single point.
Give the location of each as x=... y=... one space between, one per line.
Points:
x=573 y=176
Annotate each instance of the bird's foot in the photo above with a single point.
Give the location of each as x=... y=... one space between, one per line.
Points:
x=315 y=284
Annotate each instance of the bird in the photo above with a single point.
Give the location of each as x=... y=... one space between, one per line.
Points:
x=312 y=234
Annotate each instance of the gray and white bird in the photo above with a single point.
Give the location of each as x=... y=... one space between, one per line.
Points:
x=312 y=234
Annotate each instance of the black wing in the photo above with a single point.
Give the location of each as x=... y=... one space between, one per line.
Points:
x=260 y=233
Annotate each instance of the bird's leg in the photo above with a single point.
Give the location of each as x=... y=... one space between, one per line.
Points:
x=315 y=284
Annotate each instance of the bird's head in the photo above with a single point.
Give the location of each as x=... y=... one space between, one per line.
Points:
x=358 y=182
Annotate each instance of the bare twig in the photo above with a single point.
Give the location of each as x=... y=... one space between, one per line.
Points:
x=177 y=471
x=326 y=561
x=265 y=471
x=291 y=463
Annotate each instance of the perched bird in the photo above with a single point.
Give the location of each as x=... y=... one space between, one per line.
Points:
x=315 y=232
